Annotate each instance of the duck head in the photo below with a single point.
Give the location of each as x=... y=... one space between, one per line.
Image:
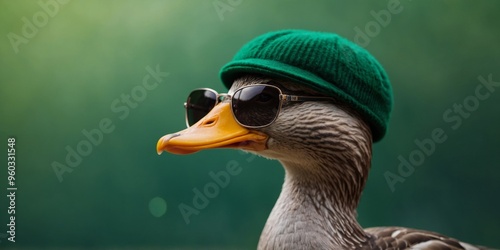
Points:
x=305 y=135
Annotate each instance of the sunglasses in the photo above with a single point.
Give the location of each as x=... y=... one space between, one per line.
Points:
x=254 y=106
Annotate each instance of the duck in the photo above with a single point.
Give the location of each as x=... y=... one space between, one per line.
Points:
x=316 y=102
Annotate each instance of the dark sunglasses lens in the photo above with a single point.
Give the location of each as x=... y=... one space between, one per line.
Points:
x=198 y=104
x=256 y=105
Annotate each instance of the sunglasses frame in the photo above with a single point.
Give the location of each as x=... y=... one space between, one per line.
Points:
x=282 y=98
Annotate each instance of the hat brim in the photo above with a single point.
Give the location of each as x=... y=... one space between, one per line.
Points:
x=236 y=69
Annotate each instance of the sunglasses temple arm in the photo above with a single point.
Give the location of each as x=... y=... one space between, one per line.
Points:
x=295 y=98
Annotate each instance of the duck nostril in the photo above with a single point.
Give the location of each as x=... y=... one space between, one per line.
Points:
x=209 y=122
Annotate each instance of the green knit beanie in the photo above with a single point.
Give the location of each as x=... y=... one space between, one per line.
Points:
x=324 y=62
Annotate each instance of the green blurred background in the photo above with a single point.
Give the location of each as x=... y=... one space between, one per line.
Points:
x=87 y=54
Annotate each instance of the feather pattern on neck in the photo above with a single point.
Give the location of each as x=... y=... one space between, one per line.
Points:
x=326 y=152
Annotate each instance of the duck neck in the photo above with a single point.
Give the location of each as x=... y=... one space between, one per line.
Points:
x=317 y=207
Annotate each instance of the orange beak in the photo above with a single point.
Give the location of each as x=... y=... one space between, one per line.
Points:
x=217 y=129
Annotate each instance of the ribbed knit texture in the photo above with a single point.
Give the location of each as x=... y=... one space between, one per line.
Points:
x=324 y=62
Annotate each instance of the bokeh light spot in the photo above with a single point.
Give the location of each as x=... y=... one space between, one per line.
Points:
x=157 y=206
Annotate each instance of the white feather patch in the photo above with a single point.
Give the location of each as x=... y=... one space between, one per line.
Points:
x=395 y=233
